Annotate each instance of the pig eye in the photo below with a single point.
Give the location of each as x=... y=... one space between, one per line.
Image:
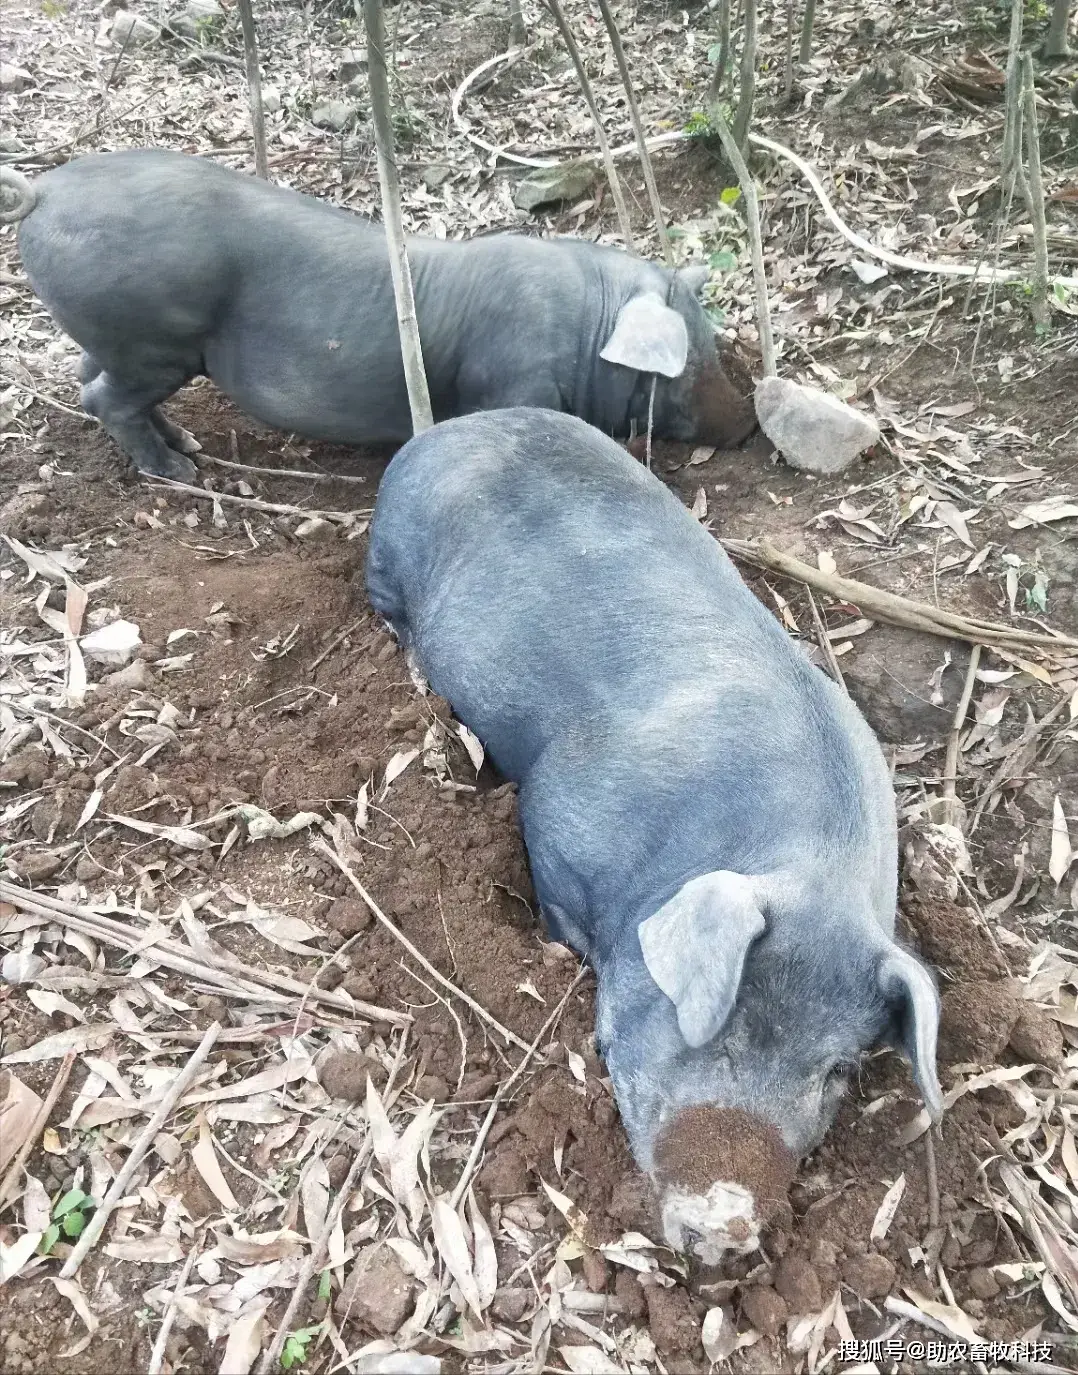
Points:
x=840 y=1072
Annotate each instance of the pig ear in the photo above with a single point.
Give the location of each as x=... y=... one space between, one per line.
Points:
x=695 y=277
x=695 y=946
x=648 y=337
x=907 y=985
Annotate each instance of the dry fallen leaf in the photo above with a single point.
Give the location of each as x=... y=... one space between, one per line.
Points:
x=885 y=1214
x=1062 y=855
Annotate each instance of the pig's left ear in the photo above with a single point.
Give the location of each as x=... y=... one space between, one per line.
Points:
x=648 y=337
x=695 y=946
x=695 y=277
x=908 y=987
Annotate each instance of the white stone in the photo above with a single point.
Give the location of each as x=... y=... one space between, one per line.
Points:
x=334 y=114
x=271 y=99
x=14 y=78
x=130 y=29
x=810 y=428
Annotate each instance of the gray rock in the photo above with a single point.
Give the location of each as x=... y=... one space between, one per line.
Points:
x=435 y=174
x=132 y=30
x=137 y=674
x=378 y=1292
x=334 y=114
x=552 y=184
x=197 y=18
x=353 y=64
x=813 y=430
x=8 y=142
x=271 y=99
x=14 y=78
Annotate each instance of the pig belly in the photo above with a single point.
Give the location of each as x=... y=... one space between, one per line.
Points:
x=327 y=389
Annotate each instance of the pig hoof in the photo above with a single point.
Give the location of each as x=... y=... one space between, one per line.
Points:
x=186 y=443
x=711 y=1226
x=176 y=466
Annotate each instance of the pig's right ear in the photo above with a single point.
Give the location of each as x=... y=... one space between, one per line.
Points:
x=648 y=337
x=907 y=985
x=695 y=946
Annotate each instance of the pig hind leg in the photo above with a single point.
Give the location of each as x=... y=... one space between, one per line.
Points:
x=175 y=436
x=130 y=414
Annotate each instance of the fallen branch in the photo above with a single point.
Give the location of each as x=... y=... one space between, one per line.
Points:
x=503 y=1089
x=157 y=1355
x=145 y=1140
x=173 y=955
x=398 y=935
x=279 y=472
x=887 y=606
x=273 y=508
x=9 y=1183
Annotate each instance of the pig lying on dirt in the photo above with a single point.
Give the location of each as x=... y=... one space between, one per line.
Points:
x=708 y=818
x=163 y=267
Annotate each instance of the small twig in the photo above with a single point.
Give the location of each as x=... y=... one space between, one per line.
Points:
x=273 y=508
x=732 y=149
x=416 y=955
x=824 y=641
x=887 y=606
x=11 y=1177
x=157 y=1355
x=224 y=972
x=313 y=1260
x=503 y=1089
x=335 y=643
x=612 y=177
x=950 y=766
x=910 y=1311
x=143 y=1142
x=932 y=1181
x=50 y=401
x=254 y=86
x=638 y=130
x=279 y=472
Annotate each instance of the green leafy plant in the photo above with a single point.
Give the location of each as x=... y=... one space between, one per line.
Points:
x=295 y=1348
x=325 y=1285
x=69 y=1216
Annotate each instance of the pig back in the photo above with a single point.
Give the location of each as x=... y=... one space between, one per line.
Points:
x=602 y=646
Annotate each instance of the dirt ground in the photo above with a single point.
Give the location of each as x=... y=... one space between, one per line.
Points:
x=277 y=687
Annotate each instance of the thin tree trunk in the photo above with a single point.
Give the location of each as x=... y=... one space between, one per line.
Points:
x=638 y=129
x=600 y=133
x=1055 y=43
x=254 y=86
x=747 y=93
x=389 y=182
x=1035 y=195
x=788 y=55
x=1012 y=123
x=805 y=54
x=718 y=76
x=518 y=32
x=756 y=243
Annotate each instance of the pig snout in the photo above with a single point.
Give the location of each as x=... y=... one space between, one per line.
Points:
x=721 y=401
x=722 y=1176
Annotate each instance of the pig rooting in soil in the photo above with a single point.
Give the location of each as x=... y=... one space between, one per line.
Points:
x=723 y=1176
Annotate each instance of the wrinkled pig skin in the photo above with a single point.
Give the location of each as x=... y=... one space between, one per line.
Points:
x=163 y=267
x=708 y=818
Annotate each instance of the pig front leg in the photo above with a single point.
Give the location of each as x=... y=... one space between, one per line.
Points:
x=130 y=415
